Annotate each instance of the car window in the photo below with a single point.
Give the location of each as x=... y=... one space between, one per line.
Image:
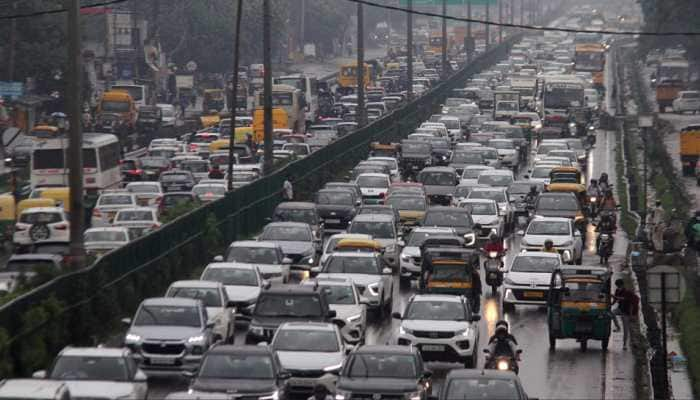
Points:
x=337 y=294
x=90 y=369
x=231 y=276
x=124 y=216
x=566 y=203
x=448 y=218
x=287 y=233
x=209 y=296
x=481 y=208
x=306 y=340
x=378 y=230
x=352 y=265
x=116 y=200
x=494 y=179
x=382 y=366
x=253 y=255
x=496 y=195
x=482 y=388
x=143 y=188
x=40 y=218
x=288 y=306
x=168 y=315
x=467 y=158
x=174 y=177
x=436 y=310
x=28 y=266
x=407 y=203
x=534 y=264
x=437 y=178
x=335 y=198
x=549 y=228
x=237 y=366
x=105 y=236
x=373 y=182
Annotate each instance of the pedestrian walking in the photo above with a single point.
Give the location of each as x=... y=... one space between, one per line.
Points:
x=287 y=189
x=627 y=308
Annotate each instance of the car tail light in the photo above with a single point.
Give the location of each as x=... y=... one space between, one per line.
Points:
x=61 y=227
x=90 y=180
x=96 y=212
x=381 y=195
x=159 y=199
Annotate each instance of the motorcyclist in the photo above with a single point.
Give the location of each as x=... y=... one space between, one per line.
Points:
x=531 y=195
x=502 y=342
x=549 y=246
x=603 y=183
x=608 y=203
x=216 y=172
x=593 y=189
x=494 y=243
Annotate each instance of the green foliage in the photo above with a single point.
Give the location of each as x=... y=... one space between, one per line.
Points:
x=688 y=318
x=212 y=238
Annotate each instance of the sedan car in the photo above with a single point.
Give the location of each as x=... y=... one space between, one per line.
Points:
x=311 y=352
x=442 y=327
x=99 y=241
x=367 y=271
x=208 y=192
x=496 y=178
x=329 y=247
x=138 y=220
x=485 y=213
x=146 y=193
x=470 y=174
x=561 y=231
x=268 y=257
x=216 y=301
x=177 y=181
x=374 y=187
x=527 y=279
x=242 y=282
x=482 y=384
x=350 y=307
x=297 y=240
x=688 y=100
x=98 y=372
x=108 y=204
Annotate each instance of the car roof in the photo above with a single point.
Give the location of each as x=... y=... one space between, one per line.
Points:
x=291 y=289
x=351 y=236
x=196 y=284
x=437 y=297
x=329 y=281
x=171 y=301
x=42 y=209
x=231 y=264
x=445 y=208
x=108 y=229
x=497 y=172
x=254 y=243
x=542 y=254
x=439 y=169
x=373 y=218
x=316 y=326
x=374 y=175
x=385 y=349
x=467 y=201
x=296 y=204
x=149 y=209
x=353 y=254
x=36 y=256
x=95 y=351
x=551 y=219
x=481 y=373
x=288 y=224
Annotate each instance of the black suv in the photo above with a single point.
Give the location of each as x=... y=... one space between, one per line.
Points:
x=384 y=373
x=249 y=371
x=415 y=155
x=286 y=303
x=336 y=207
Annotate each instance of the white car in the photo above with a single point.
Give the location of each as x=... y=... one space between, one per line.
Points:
x=241 y=281
x=686 y=101
x=147 y=193
x=544 y=148
x=216 y=301
x=168 y=111
x=471 y=173
x=139 y=220
x=566 y=238
x=374 y=187
x=501 y=178
x=410 y=259
x=209 y=192
x=99 y=241
x=540 y=173
x=485 y=213
x=527 y=279
x=500 y=196
x=108 y=204
x=443 y=327
x=390 y=162
x=506 y=151
x=41 y=224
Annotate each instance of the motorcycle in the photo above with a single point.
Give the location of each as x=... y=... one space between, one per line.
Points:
x=493 y=268
x=592 y=206
x=502 y=362
x=605 y=247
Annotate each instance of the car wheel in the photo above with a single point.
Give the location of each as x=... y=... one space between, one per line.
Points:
x=552 y=342
x=469 y=361
x=579 y=261
x=508 y=307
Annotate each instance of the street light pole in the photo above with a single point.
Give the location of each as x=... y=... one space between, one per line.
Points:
x=645 y=122
x=444 y=39
x=234 y=97
x=267 y=88
x=360 y=66
x=409 y=49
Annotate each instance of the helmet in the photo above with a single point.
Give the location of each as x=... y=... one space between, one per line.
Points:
x=501 y=326
x=593 y=181
x=533 y=189
x=492 y=236
x=604 y=177
x=548 y=243
x=697 y=214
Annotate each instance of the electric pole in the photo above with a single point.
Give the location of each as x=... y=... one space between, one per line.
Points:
x=13 y=40
x=469 y=31
x=234 y=88
x=487 y=27
x=360 y=66
x=156 y=63
x=500 y=21
x=445 y=73
x=409 y=49
x=512 y=11
x=302 y=27
x=522 y=12
x=267 y=87
x=75 y=136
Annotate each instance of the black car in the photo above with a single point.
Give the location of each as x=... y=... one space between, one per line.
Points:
x=336 y=207
x=172 y=200
x=131 y=169
x=456 y=218
x=482 y=384
x=345 y=185
x=384 y=373
x=177 y=181
x=249 y=371
x=149 y=119
x=297 y=211
x=439 y=184
x=153 y=166
x=461 y=159
x=286 y=303
x=415 y=155
x=440 y=150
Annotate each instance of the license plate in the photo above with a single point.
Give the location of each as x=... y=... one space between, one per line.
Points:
x=584 y=327
x=174 y=188
x=533 y=295
x=332 y=221
x=162 y=361
x=433 y=347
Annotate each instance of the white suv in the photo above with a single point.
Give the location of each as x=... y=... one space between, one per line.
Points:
x=410 y=259
x=687 y=101
x=527 y=279
x=566 y=238
x=40 y=224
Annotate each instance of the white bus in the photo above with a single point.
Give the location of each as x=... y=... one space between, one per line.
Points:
x=101 y=154
x=309 y=88
x=139 y=93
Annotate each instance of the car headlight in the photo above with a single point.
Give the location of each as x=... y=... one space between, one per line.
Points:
x=405 y=258
x=199 y=339
x=373 y=289
x=257 y=330
x=508 y=281
x=132 y=338
x=524 y=242
x=341 y=395
x=414 y=396
x=404 y=331
x=333 y=368
x=464 y=332
x=311 y=260
x=274 y=396
x=567 y=243
x=354 y=318
x=594 y=199
x=469 y=239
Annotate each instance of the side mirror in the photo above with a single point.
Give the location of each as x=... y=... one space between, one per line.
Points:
x=283 y=375
x=41 y=374
x=126 y=321
x=476 y=318
x=401 y=243
x=520 y=233
x=396 y=315
x=387 y=271
x=349 y=348
x=286 y=261
x=577 y=233
x=266 y=284
x=427 y=374
x=188 y=374
x=358 y=203
x=140 y=376
x=331 y=314
x=210 y=325
x=219 y=259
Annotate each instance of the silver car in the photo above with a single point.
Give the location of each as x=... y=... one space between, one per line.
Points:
x=108 y=204
x=241 y=281
x=382 y=228
x=344 y=297
x=367 y=271
x=442 y=327
x=267 y=256
x=98 y=372
x=410 y=263
x=219 y=308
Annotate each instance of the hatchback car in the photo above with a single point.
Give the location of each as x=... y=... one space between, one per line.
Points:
x=297 y=240
x=485 y=213
x=482 y=384
x=146 y=193
x=374 y=187
x=208 y=192
x=268 y=257
x=495 y=178
x=471 y=173
x=456 y=218
x=99 y=241
x=298 y=211
x=337 y=207
x=561 y=231
x=527 y=279
x=41 y=224
x=688 y=100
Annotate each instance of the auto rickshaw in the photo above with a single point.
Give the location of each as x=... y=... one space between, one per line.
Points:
x=209 y=121
x=46 y=197
x=214 y=100
x=359 y=245
x=568 y=179
x=385 y=149
x=43 y=131
x=8 y=216
x=578 y=305
x=450 y=270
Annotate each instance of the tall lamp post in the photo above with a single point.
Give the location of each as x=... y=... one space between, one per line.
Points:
x=644 y=122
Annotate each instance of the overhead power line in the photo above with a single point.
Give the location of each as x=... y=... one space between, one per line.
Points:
x=520 y=26
x=59 y=10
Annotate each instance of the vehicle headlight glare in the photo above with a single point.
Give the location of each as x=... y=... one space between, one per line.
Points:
x=405 y=258
x=274 y=396
x=373 y=289
x=354 y=318
x=132 y=338
x=332 y=368
x=196 y=339
x=503 y=366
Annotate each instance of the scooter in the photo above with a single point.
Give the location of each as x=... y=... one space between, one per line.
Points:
x=605 y=247
x=502 y=362
x=493 y=268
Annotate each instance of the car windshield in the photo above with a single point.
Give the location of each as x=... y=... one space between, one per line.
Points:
x=77 y=368
x=195 y=167
x=105 y=236
x=457 y=218
x=286 y=234
x=231 y=276
x=116 y=200
x=40 y=217
x=26 y=266
x=378 y=230
x=313 y=340
x=209 y=189
x=288 y=306
x=173 y=199
x=482 y=388
x=494 y=179
x=143 y=188
x=564 y=177
x=541 y=172
x=253 y=255
x=174 y=177
x=420 y=148
x=398 y=366
x=498 y=196
x=337 y=294
x=352 y=265
x=436 y=310
x=154 y=162
x=335 y=198
x=373 y=182
x=125 y=216
x=237 y=366
x=534 y=264
x=473 y=173
x=584 y=291
x=565 y=203
x=481 y=208
x=438 y=178
x=417 y=238
x=500 y=144
x=467 y=158
x=209 y=296
x=557 y=228
x=519 y=189
x=546 y=148
x=168 y=316
x=407 y=203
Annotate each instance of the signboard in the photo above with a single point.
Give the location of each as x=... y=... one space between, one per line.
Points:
x=674 y=285
x=11 y=90
x=419 y=3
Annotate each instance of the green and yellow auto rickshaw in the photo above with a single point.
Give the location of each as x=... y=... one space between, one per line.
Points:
x=450 y=270
x=578 y=305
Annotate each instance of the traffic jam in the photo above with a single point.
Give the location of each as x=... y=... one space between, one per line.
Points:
x=408 y=280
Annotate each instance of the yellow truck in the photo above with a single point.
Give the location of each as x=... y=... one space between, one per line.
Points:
x=120 y=103
x=690 y=149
